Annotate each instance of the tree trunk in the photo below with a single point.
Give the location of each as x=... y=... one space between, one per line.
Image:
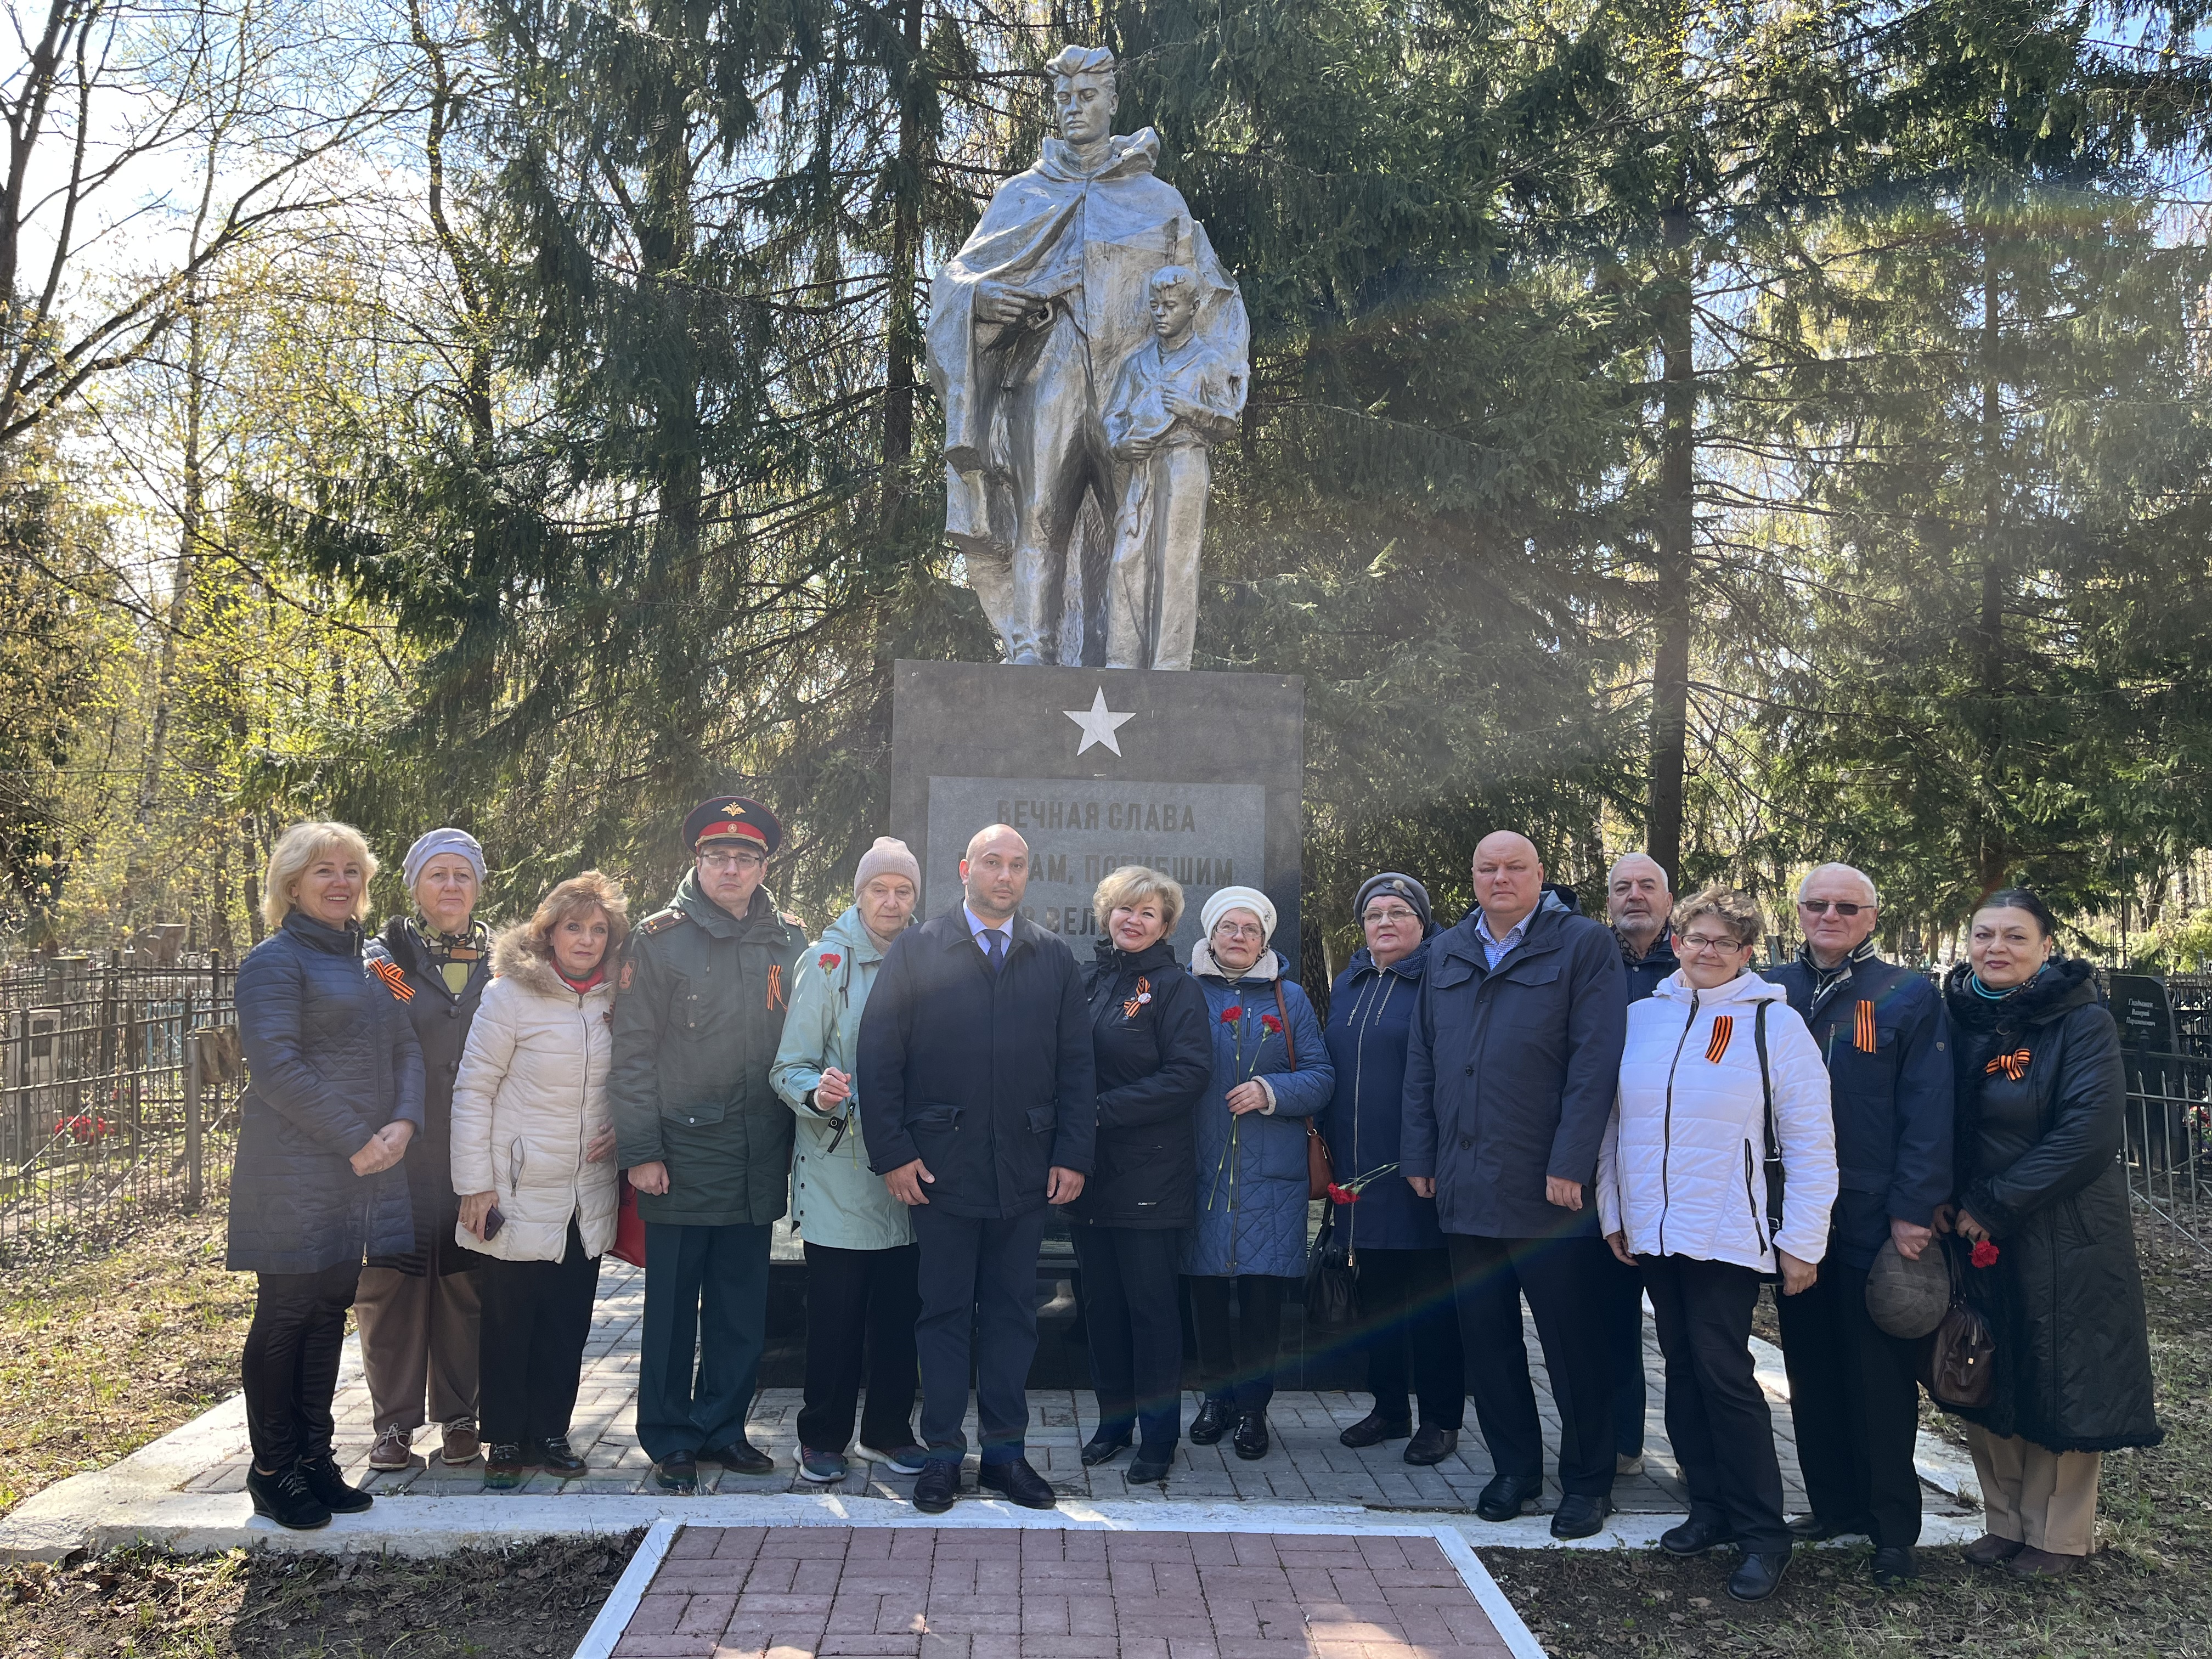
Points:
x=904 y=329
x=1992 y=851
x=1673 y=531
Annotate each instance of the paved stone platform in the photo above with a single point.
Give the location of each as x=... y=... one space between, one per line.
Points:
x=923 y=1592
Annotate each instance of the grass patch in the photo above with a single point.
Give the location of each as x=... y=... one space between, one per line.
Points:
x=2149 y=1590
x=111 y=1337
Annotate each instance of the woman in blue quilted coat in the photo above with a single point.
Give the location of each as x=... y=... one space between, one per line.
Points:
x=1271 y=1075
x=334 y=1097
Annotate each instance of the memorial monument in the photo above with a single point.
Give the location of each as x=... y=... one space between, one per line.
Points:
x=1088 y=349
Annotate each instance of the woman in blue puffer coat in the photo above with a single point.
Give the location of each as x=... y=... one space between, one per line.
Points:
x=1271 y=1075
x=335 y=1095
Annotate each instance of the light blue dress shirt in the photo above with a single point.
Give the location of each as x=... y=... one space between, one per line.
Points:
x=1494 y=949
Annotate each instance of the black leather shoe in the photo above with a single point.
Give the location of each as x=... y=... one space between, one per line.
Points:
x=558 y=1458
x=1144 y=1468
x=328 y=1483
x=1431 y=1445
x=286 y=1498
x=1759 y=1575
x=507 y=1466
x=1018 y=1483
x=1693 y=1537
x=1508 y=1496
x=1893 y=1565
x=1251 y=1440
x=740 y=1456
x=679 y=1471
x=1373 y=1430
x=1580 y=1516
x=1211 y=1423
x=937 y=1485
x=1099 y=1449
x=1814 y=1529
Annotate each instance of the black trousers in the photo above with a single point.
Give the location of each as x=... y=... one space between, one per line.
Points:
x=529 y=1354
x=1855 y=1398
x=1135 y=1326
x=861 y=1309
x=291 y=1368
x=1561 y=1278
x=978 y=1283
x=1406 y=1302
x=706 y=1328
x=1717 y=1418
x=1623 y=1315
x=1237 y=1358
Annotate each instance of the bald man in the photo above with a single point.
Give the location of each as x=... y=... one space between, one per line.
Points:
x=1511 y=1065
x=978 y=1109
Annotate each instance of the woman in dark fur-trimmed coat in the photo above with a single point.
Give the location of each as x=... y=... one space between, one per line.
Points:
x=2042 y=1206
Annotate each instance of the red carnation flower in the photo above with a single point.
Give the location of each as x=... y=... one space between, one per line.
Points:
x=1230 y=1016
x=1341 y=1194
x=1271 y=1022
x=829 y=961
x=1985 y=1254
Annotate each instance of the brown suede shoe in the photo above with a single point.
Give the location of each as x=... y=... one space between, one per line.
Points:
x=1991 y=1551
x=2031 y=1564
x=461 y=1444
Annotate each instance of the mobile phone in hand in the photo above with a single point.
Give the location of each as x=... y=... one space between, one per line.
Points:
x=493 y=1222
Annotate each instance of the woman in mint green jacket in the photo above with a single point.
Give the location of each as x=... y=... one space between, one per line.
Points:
x=860 y=1252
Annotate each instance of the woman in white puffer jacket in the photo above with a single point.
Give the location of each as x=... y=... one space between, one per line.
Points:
x=1682 y=1194
x=533 y=1144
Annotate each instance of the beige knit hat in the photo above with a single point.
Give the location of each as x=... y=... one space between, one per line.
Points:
x=890 y=856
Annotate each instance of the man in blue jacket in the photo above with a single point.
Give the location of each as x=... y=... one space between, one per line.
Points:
x=1854 y=1392
x=979 y=1109
x=1511 y=1072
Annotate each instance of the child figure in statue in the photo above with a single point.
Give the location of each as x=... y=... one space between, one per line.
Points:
x=1176 y=397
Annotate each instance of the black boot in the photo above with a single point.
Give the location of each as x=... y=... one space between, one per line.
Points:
x=558 y=1458
x=328 y=1482
x=286 y=1498
x=1759 y=1575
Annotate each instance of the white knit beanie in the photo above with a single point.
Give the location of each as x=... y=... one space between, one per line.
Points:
x=890 y=856
x=430 y=845
x=1226 y=899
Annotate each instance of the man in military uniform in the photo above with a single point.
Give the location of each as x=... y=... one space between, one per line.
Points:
x=703 y=1137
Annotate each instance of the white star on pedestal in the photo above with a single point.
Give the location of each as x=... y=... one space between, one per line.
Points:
x=1098 y=725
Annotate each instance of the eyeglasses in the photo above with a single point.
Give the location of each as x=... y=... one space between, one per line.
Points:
x=1841 y=907
x=1398 y=913
x=1697 y=942
x=1240 y=930
x=739 y=860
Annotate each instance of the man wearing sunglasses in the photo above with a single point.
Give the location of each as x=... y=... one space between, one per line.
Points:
x=1853 y=1389
x=703 y=1137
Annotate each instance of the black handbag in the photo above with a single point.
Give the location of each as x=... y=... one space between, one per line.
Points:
x=1332 y=1280
x=1960 y=1365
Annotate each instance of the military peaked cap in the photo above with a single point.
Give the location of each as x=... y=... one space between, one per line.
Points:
x=732 y=817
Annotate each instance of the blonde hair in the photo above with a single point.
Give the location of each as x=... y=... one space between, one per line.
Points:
x=1738 y=912
x=593 y=890
x=1132 y=882
x=297 y=848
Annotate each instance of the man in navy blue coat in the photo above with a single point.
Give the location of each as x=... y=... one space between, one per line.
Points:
x=1854 y=1393
x=1511 y=1067
x=979 y=1109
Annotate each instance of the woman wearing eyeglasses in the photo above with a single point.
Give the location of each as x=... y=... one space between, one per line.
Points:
x=1682 y=1193
x=1405 y=1273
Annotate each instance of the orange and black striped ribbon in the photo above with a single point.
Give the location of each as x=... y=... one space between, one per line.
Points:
x=2014 y=1065
x=1724 y=1029
x=1863 y=1029
x=775 y=985
x=394 y=977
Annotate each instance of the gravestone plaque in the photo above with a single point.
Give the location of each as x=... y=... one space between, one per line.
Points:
x=1194 y=775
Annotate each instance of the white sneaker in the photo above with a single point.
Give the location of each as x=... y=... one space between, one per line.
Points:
x=393 y=1449
x=1628 y=1465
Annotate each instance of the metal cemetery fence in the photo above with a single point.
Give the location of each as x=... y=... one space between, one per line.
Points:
x=119 y=1086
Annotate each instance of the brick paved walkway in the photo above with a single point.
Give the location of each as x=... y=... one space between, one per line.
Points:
x=864 y=1593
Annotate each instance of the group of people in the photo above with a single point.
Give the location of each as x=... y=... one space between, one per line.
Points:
x=1530 y=1104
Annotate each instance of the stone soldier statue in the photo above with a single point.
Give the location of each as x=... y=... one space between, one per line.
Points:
x=1031 y=326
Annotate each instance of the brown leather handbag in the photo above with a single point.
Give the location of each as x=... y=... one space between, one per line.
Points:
x=1321 y=1173
x=1961 y=1366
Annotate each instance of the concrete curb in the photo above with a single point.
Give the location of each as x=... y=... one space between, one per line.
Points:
x=629 y=1590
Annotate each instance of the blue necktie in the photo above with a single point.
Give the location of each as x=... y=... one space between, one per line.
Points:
x=996 y=953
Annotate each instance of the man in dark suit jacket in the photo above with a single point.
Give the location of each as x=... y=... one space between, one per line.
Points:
x=1854 y=1390
x=1510 y=1072
x=978 y=1106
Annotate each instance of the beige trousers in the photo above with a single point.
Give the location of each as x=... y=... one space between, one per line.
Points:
x=418 y=1335
x=2044 y=1499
